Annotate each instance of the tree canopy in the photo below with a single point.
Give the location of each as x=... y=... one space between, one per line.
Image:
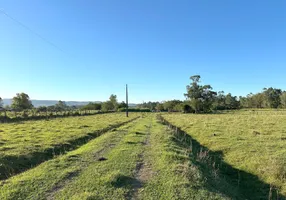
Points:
x=21 y=102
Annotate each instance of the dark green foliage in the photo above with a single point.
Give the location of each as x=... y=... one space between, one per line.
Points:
x=150 y=105
x=1 y=103
x=273 y=97
x=91 y=106
x=187 y=108
x=134 y=110
x=201 y=96
x=122 y=105
x=107 y=106
x=173 y=105
x=21 y=102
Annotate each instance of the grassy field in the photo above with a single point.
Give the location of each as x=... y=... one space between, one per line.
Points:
x=209 y=157
x=252 y=141
x=25 y=144
x=140 y=160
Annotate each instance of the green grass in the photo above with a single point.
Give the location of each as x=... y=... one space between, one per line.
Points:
x=39 y=182
x=146 y=159
x=176 y=176
x=25 y=144
x=251 y=141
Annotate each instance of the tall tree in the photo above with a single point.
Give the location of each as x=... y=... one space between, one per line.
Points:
x=1 y=103
x=273 y=97
x=21 y=102
x=201 y=96
x=113 y=100
x=231 y=102
x=159 y=107
x=283 y=99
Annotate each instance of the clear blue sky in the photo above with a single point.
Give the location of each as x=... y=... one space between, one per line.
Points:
x=238 y=46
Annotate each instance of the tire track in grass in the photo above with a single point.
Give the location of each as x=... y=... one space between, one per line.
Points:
x=29 y=161
x=97 y=156
x=143 y=171
x=49 y=178
x=116 y=177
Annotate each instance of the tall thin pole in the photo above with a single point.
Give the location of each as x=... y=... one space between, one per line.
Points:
x=126 y=100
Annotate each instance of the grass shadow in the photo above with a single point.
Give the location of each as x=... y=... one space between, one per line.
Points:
x=222 y=177
x=122 y=181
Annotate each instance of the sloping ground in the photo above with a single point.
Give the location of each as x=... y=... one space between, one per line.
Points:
x=24 y=145
x=144 y=159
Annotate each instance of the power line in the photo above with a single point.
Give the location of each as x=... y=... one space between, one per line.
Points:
x=30 y=30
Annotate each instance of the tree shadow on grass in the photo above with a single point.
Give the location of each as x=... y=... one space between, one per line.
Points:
x=221 y=177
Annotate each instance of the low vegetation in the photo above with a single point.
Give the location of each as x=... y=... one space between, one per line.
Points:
x=23 y=145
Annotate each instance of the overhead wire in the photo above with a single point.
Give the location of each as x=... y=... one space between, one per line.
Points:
x=32 y=31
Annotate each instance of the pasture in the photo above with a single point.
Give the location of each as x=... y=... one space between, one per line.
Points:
x=25 y=144
x=253 y=141
x=235 y=155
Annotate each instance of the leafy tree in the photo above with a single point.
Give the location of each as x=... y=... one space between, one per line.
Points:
x=159 y=107
x=122 y=105
x=258 y=100
x=273 y=97
x=219 y=102
x=231 y=102
x=173 y=105
x=42 y=109
x=61 y=106
x=150 y=105
x=21 y=102
x=91 y=106
x=187 y=108
x=113 y=100
x=201 y=96
x=283 y=99
x=51 y=108
x=1 y=103
x=107 y=106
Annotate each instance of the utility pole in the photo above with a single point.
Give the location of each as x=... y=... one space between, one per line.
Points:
x=126 y=100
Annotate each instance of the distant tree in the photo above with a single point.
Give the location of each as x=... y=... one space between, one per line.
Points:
x=51 y=108
x=258 y=100
x=159 y=107
x=1 y=103
x=61 y=106
x=21 y=102
x=173 y=105
x=273 y=97
x=201 y=96
x=231 y=102
x=150 y=105
x=107 y=106
x=113 y=100
x=219 y=102
x=122 y=105
x=283 y=99
x=91 y=106
x=42 y=109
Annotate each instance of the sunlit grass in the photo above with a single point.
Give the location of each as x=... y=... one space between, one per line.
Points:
x=253 y=141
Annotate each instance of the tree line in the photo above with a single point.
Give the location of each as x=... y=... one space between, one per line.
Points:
x=23 y=109
x=202 y=99
x=199 y=99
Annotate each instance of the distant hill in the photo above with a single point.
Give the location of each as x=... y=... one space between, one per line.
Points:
x=38 y=103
